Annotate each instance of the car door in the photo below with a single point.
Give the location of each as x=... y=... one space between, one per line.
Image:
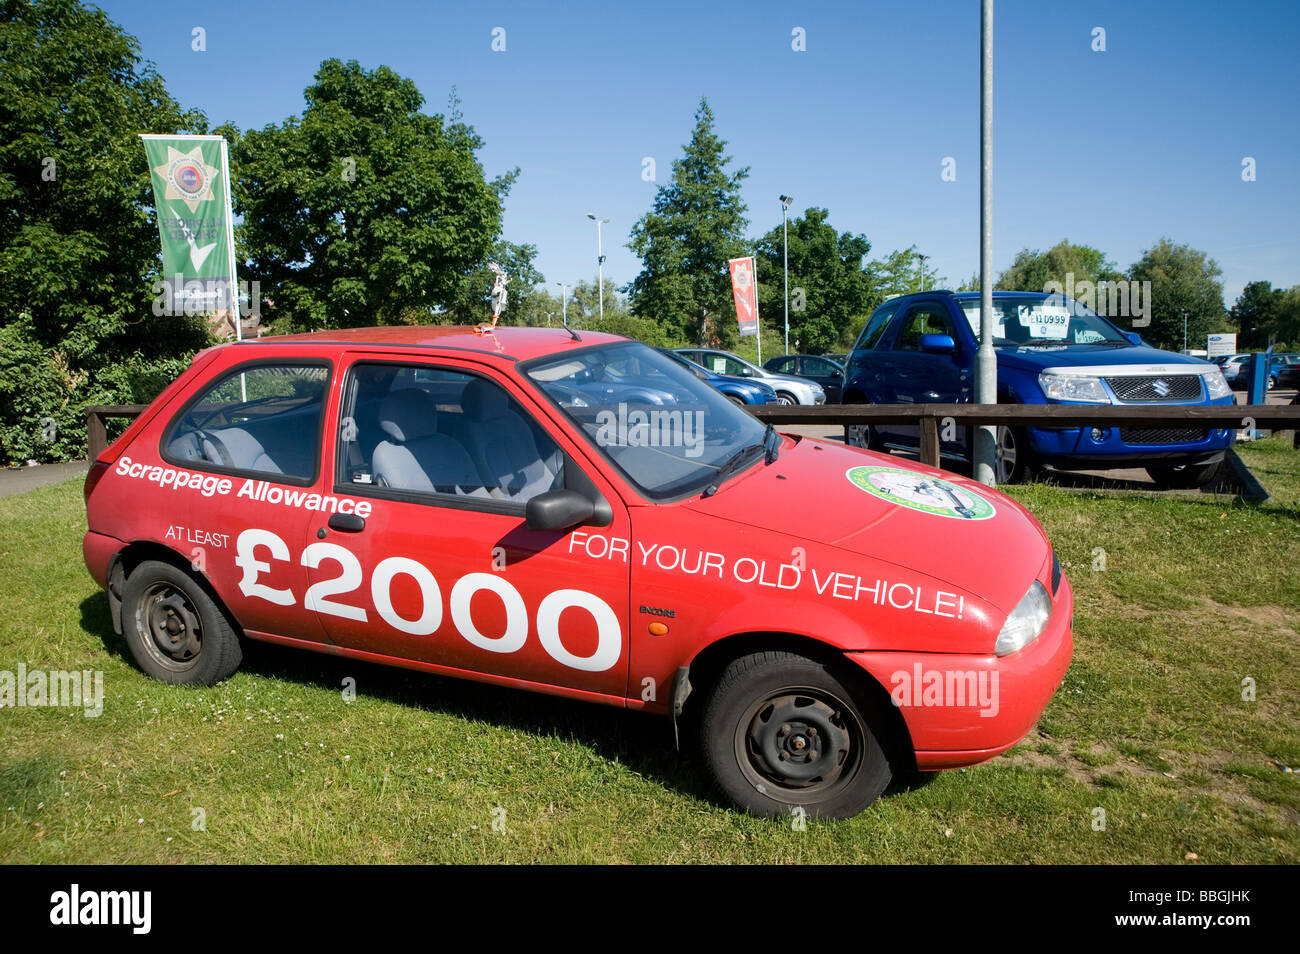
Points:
x=444 y=570
x=914 y=376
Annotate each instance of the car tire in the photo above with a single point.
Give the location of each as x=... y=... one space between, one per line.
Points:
x=175 y=631
x=864 y=435
x=735 y=400
x=784 y=397
x=1014 y=463
x=1183 y=476
x=781 y=732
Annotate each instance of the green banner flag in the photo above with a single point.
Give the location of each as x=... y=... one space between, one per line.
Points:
x=191 y=187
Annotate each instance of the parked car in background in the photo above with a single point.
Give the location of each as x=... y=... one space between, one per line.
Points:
x=826 y=372
x=1288 y=376
x=920 y=349
x=737 y=390
x=789 y=389
x=1279 y=366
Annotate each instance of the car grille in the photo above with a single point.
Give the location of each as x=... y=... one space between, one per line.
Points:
x=1162 y=435
x=1156 y=388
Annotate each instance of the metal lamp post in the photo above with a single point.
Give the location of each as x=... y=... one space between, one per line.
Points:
x=785 y=256
x=564 y=303
x=600 y=264
x=986 y=366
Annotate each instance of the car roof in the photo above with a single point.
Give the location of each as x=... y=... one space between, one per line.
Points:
x=510 y=343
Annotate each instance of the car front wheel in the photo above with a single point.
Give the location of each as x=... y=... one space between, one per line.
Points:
x=1014 y=461
x=783 y=398
x=781 y=732
x=1183 y=476
x=174 y=629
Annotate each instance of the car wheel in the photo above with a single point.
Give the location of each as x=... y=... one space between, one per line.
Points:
x=1183 y=476
x=174 y=629
x=864 y=435
x=1014 y=461
x=735 y=400
x=781 y=731
x=784 y=397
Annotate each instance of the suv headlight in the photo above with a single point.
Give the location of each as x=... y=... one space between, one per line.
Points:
x=1073 y=387
x=1216 y=385
x=1026 y=621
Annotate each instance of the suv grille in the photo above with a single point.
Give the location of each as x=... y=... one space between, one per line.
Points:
x=1162 y=435
x=1156 y=388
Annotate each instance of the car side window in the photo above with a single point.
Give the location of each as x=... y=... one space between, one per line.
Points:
x=263 y=420
x=923 y=319
x=819 y=366
x=875 y=327
x=428 y=430
x=783 y=366
x=733 y=367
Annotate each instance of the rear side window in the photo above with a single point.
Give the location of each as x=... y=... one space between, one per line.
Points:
x=263 y=420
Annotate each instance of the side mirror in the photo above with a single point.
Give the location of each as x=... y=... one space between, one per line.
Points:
x=938 y=344
x=558 y=510
x=1134 y=337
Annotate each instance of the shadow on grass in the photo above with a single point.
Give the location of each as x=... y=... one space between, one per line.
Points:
x=640 y=741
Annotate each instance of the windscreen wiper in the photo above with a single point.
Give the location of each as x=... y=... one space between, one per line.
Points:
x=731 y=464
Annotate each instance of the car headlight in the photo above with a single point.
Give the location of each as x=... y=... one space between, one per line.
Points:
x=1073 y=387
x=1026 y=621
x=1216 y=385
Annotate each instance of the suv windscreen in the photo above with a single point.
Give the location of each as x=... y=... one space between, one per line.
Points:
x=667 y=431
x=1037 y=322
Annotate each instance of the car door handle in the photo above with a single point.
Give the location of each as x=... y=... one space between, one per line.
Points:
x=347 y=522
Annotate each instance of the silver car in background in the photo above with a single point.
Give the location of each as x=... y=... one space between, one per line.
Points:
x=789 y=389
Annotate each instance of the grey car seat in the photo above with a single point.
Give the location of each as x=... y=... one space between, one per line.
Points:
x=413 y=455
x=503 y=446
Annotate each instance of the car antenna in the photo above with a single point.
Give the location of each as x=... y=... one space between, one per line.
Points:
x=565 y=322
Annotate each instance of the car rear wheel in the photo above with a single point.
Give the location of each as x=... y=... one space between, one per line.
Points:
x=1183 y=476
x=782 y=732
x=174 y=629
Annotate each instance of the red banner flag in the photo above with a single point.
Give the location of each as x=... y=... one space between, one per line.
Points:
x=745 y=290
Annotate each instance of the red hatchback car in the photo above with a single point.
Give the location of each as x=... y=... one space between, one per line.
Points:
x=580 y=515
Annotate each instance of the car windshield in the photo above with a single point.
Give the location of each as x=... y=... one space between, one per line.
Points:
x=1053 y=320
x=667 y=431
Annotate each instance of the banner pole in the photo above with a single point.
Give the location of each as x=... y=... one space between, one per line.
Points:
x=758 y=323
x=230 y=238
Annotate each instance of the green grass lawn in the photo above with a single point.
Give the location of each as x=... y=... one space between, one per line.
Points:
x=1196 y=595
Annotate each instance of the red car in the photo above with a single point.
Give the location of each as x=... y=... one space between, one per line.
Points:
x=580 y=515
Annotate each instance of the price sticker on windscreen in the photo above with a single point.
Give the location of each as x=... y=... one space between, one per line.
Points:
x=1045 y=321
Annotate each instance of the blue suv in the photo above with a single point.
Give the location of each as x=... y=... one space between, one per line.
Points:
x=1050 y=349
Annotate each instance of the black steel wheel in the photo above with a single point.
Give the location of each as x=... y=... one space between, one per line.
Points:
x=174 y=629
x=781 y=731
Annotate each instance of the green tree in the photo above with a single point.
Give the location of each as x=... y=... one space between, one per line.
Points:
x=1032 y=270
x=829 y=287
x=364 y=210
x=1184 y=282
x=697 y=223
x=78 y=238
x=899 y=273
x=1256 y=314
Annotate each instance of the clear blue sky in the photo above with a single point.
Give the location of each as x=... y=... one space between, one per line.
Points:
x=1112 y=149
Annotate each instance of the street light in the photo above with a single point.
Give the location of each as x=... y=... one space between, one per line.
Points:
x=922 y=258
x=785 y=255
x=600 y=264
x=564 y=303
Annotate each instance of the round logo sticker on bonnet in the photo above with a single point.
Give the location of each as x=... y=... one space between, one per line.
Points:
x=918 y=492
